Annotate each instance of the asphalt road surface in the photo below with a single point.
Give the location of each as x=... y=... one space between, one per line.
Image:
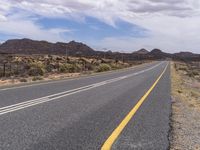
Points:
x=86 y=113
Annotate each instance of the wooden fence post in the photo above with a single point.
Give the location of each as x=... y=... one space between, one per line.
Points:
x=4 y=69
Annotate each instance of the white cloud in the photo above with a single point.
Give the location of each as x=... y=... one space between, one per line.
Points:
x=23 y=23
x=20 y=27
x=172 y=24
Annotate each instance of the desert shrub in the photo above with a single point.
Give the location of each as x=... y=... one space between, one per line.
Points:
x=192 y=73
x=103 y=67
x=116 y=66
x=97 y=63
x=38 y=64
x=50 y=67
x=69 y=68
x=183 y=68
x=36 y=71
x=89 y=66
x=36 y=78
x=63 y=68
x=23 y=80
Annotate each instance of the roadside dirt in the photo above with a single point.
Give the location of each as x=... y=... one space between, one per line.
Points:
x=185 y=120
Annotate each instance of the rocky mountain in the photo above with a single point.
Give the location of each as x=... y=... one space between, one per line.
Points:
x=28 y=46
x=158 y=54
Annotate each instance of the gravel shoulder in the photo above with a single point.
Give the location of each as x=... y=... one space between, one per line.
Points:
x=185 y=119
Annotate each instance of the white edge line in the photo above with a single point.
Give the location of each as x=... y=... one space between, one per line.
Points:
x=37 y=101
x=69 y=79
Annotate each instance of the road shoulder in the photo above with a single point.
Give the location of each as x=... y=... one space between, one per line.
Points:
x=185 y=125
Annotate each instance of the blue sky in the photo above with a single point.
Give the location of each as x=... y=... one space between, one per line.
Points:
x=129 y=25
x=92 y=29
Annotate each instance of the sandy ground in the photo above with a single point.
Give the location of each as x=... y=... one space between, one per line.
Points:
x=185 y=120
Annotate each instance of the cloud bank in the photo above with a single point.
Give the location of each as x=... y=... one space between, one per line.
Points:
x=172 y=25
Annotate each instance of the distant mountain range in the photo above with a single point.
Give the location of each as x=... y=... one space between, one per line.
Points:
x=28 y=47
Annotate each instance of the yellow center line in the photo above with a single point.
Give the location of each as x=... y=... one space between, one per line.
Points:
x=111 y=139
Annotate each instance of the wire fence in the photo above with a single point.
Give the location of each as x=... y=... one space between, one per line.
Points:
x=10 y=69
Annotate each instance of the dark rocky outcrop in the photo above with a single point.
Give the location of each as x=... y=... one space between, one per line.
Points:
x=28 y=47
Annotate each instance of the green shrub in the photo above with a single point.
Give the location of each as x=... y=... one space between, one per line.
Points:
x=63 y=68
x=36 y=69
x=69 y=68
x=103 y=67
x=38 y=64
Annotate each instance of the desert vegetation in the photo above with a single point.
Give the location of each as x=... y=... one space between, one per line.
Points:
x=186 y=105
x=25 y=68
x=190 y=69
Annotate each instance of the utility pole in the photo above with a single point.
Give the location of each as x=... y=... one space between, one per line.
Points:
x=66 y=54
x=104 y=53
x=122 y=55
x=4 y=69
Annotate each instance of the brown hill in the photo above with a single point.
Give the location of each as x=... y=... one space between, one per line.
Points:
x=159 y=54
x=27 y=46
x=186 y=56
x=141 y=51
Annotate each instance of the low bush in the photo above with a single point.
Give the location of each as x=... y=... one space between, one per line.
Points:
x=36 y=71
x=38 y=64
x=69 y=68
x=89 y=66
x=116 y=66
x=50 y=67
x=103 y=67
x=63 y=68
x=23 y=80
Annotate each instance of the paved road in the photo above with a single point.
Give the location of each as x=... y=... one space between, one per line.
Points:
x=83 y=113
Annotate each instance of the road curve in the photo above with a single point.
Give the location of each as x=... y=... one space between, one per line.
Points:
x=83 y=113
